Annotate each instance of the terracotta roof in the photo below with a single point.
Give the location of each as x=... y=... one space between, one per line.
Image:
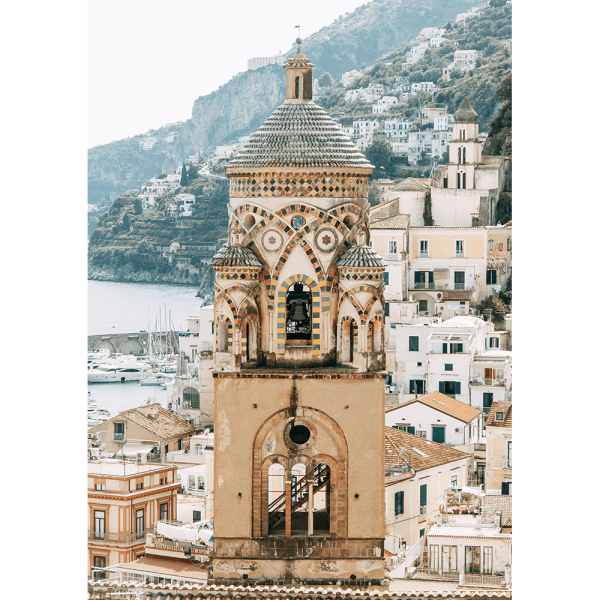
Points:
x=449 y=406
x=167 y=425
x=465 y=113
x=393 y=222
x=299 y=135
x=300 y=592
x=460 y=295
x=413 y=184
x=504 y=407
x=504 y=503
x=235 y=256
x=361 y=256
x=437 y=454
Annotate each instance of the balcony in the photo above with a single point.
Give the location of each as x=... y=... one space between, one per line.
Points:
x=482 y=580
x=170 y=547
x=488 y=381
x=445 y=286
x=118 y=437
x=118 y=538
x=435 y=574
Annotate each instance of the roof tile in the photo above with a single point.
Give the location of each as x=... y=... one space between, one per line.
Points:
x=449 y=406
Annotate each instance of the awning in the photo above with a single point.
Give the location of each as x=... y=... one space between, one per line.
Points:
x=134 y=449
x=174 y=532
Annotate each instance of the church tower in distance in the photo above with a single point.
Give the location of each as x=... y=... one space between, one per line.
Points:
x=299 y=354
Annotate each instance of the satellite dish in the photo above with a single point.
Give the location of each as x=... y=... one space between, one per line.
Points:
x=206 y=431
x=402 y=451
x=102 y=446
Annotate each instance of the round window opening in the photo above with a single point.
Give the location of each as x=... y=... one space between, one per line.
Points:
x=299 y=434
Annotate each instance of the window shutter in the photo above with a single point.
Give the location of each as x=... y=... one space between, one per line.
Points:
x=457 y=387
x=411 y=430
x=444 y=348
x=442 y=387
x=505 y=488
x=387 y=309
x=386 y=278
x=423 y=495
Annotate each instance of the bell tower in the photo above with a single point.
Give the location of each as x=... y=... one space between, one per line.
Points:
x=299 y=387
x=464 y=151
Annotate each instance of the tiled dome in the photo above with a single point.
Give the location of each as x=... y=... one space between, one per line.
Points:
x=465 y=113
x=361 y=256
x=235 y=256
x=299 y=135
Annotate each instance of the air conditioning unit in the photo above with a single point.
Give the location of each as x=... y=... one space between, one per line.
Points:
x=457 y=430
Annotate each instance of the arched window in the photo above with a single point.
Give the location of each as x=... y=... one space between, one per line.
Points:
x=297 y=88
x=249 y=222
x=298 y=312
x=349 y=339
x=464 y=181
x=191 y=398
x=224 y=336
x=458 y=180
x=464 y=155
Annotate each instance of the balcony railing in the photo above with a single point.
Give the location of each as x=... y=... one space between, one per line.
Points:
x=435 y=574
x=483 y=580
x=508 y=463
x=118 y=437
x=432 y=285
x=489 y=381
x=424 y=285
x=163 y=543
x=119 y=538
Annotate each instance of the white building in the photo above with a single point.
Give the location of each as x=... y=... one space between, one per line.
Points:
x=432 y=143
x=147 y=199
x=464 y=60
x=170 y=137
x=438 y=418
x=349 y=131
x=437 y=356
x=443 y=122
x=224 y=151
x=416 y=53
x=352 y=95
x=261 y=61
x=423 y=86
x=383 y=105
x=437 y=41
x=185 y=203
x=349 y=77
x=491 y=376
x=147 y=143
x=365 y=127
x=397 y=128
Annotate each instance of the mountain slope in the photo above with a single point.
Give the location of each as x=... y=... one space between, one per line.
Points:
x=237 y=108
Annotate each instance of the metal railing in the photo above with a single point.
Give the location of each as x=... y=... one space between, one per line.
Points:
x=508 y=463
x=120 y=538
x=118 y=437
x=435 y=574
x=424 y=285
x=484 y=580
x=159 y=541
x=489 y=381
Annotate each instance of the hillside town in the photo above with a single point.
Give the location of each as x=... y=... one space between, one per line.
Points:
x=340 y=417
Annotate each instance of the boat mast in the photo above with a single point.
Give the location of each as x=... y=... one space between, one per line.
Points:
x=149 y=335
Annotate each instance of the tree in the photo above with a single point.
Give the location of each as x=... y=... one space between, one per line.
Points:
x=375 y=195
x=192 y=172
x=137 y=206
x=184 y=180
x=456 y=74
x=380 y=154
x=326 y=80
x=126 y=224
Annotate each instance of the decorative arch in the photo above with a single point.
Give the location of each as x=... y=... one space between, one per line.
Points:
x=338 y=470
x=250 y=333
x=347 y=295
x=223 y=295
x=315 y=309
x=375 y=334
x=348 y=342
x=224 y=327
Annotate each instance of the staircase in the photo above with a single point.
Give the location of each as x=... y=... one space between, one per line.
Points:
x=424 y=560
x=299 y=495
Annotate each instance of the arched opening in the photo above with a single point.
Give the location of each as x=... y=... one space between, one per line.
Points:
x=370 y=337
x=309 y=492
x=297 y=88
x=349 y=221
x=458 y=181
x=249 y=222
x=349 y=339
x=245 y=336
x=191 y=398
x=298 y=314
x=375 y=330
x=224 y=335
x=464 y=155
x=464 y=181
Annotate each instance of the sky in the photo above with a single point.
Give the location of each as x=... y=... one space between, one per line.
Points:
x=148 y=60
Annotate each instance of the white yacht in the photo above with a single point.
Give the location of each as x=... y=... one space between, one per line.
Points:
x=99 y=355
x=111 y=373
x=96 y=413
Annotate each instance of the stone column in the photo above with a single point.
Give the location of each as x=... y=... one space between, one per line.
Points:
x=288 y=509
x=271 y=331
x=311 y=477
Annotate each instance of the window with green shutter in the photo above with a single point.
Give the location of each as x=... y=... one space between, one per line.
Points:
x=399 y=503
x=413 y=343
x=423 y=495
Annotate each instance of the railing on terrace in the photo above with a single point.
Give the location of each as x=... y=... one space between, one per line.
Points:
x=120 y=538
x=489 y=381
x=435 y=574
x=432 y=285
x=484 y=580
x=163 y=543
x=118 y=437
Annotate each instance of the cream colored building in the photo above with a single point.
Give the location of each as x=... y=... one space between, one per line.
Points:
x=416 y=482
x=125 y=500
x=144 y=429
x=406 y=197
x=499 y=453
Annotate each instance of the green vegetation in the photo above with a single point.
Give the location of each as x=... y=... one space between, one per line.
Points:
x=380 y=155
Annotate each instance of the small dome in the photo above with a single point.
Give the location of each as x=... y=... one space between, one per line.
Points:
x=235 y=256
x=465 y=113
x=361 y=256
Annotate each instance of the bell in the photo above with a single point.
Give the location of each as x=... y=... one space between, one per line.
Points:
x=298 y=313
